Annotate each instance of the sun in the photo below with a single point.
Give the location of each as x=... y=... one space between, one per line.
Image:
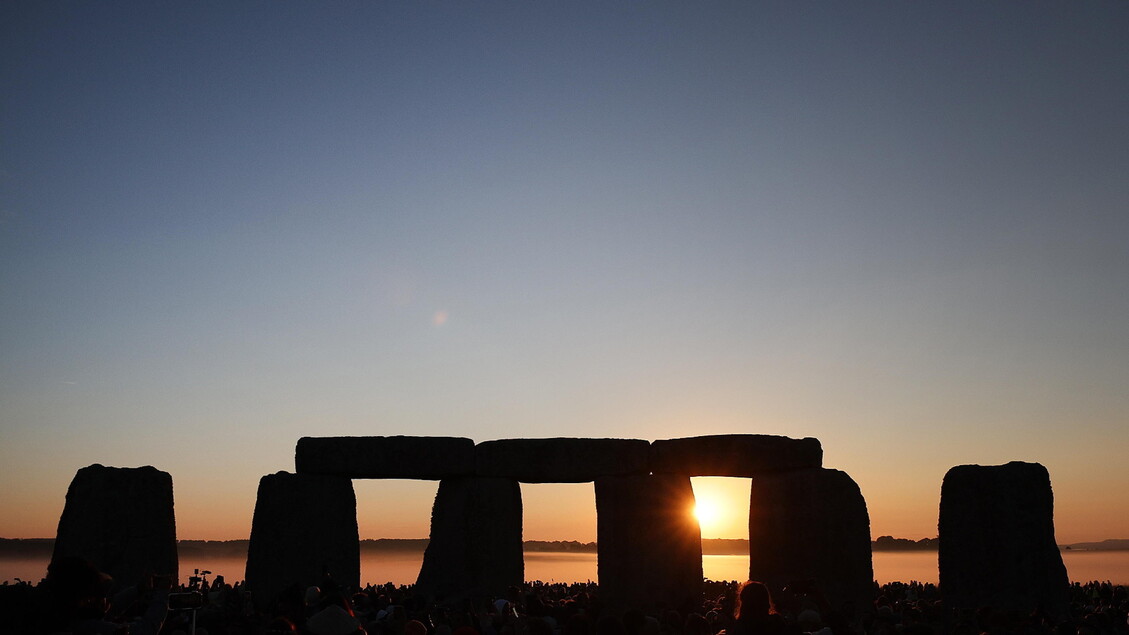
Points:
x=721 y=506
x=707 y=512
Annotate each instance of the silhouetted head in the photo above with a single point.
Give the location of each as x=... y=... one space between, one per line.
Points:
x=577 y=624
x=609 y=625
x=696 y=624
x=538 y=626
x=634 y=621
x=753 y=600
x=415 y=627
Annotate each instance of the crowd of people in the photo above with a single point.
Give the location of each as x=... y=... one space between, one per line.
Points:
x=76 y=599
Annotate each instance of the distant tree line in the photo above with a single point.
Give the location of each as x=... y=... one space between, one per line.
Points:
x=27 y=547
x=890 y=543
x=43 y=547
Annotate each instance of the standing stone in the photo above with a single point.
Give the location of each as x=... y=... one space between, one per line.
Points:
x=304 y=529
x=649 y=542
x=997 y=539
x=121 y=520
x=812 y=525
x=475 y=546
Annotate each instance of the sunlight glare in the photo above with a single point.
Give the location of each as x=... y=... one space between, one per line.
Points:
x=722 y=506
x=707 y=512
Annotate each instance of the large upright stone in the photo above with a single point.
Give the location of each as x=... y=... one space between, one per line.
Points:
x=122 y=520
x=428 y=458
x=304 y=529
x=812 y=525
x=741 y=455
x=561 y=460
x=997 y=539
x=475 y=547
x=649 y=542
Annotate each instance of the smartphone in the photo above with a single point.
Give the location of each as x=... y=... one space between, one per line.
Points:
x=185 y=601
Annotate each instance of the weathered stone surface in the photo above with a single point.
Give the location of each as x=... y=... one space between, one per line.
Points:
x=997 y=539
x=812 y=525
x=649 y=542
x=122 y=520
x=742 y=455
x=561 y=460
x=304 y=528
x=428 y=458
x=475 y=547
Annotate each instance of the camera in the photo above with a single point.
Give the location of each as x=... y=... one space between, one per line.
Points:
x=186 y=601
x=200 y=576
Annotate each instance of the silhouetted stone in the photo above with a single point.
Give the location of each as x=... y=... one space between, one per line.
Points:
x=121 y=520
x=428 y=458
x=812 y=525
x=304 y=528
x=649 y=542
x=475 y=546
x=811 y=522
x=561 y=460
x=742 y=455
x=997 y=539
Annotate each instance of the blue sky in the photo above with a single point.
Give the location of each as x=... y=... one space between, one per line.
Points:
x=900 y=228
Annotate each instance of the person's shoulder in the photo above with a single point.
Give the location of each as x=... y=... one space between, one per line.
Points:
x=98 y=627
x=772 y=624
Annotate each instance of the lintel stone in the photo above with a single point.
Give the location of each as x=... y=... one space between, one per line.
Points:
x=561 y=460
x=426 y=458
x=739 y=455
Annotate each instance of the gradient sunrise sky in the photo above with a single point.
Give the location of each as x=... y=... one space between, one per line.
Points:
x=899 y=227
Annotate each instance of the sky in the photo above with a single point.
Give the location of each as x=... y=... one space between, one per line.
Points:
x=898 y=227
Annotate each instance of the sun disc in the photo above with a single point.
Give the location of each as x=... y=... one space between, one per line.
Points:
x=706 y=512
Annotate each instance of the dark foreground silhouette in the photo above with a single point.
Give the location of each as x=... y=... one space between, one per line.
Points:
x=75 y=598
